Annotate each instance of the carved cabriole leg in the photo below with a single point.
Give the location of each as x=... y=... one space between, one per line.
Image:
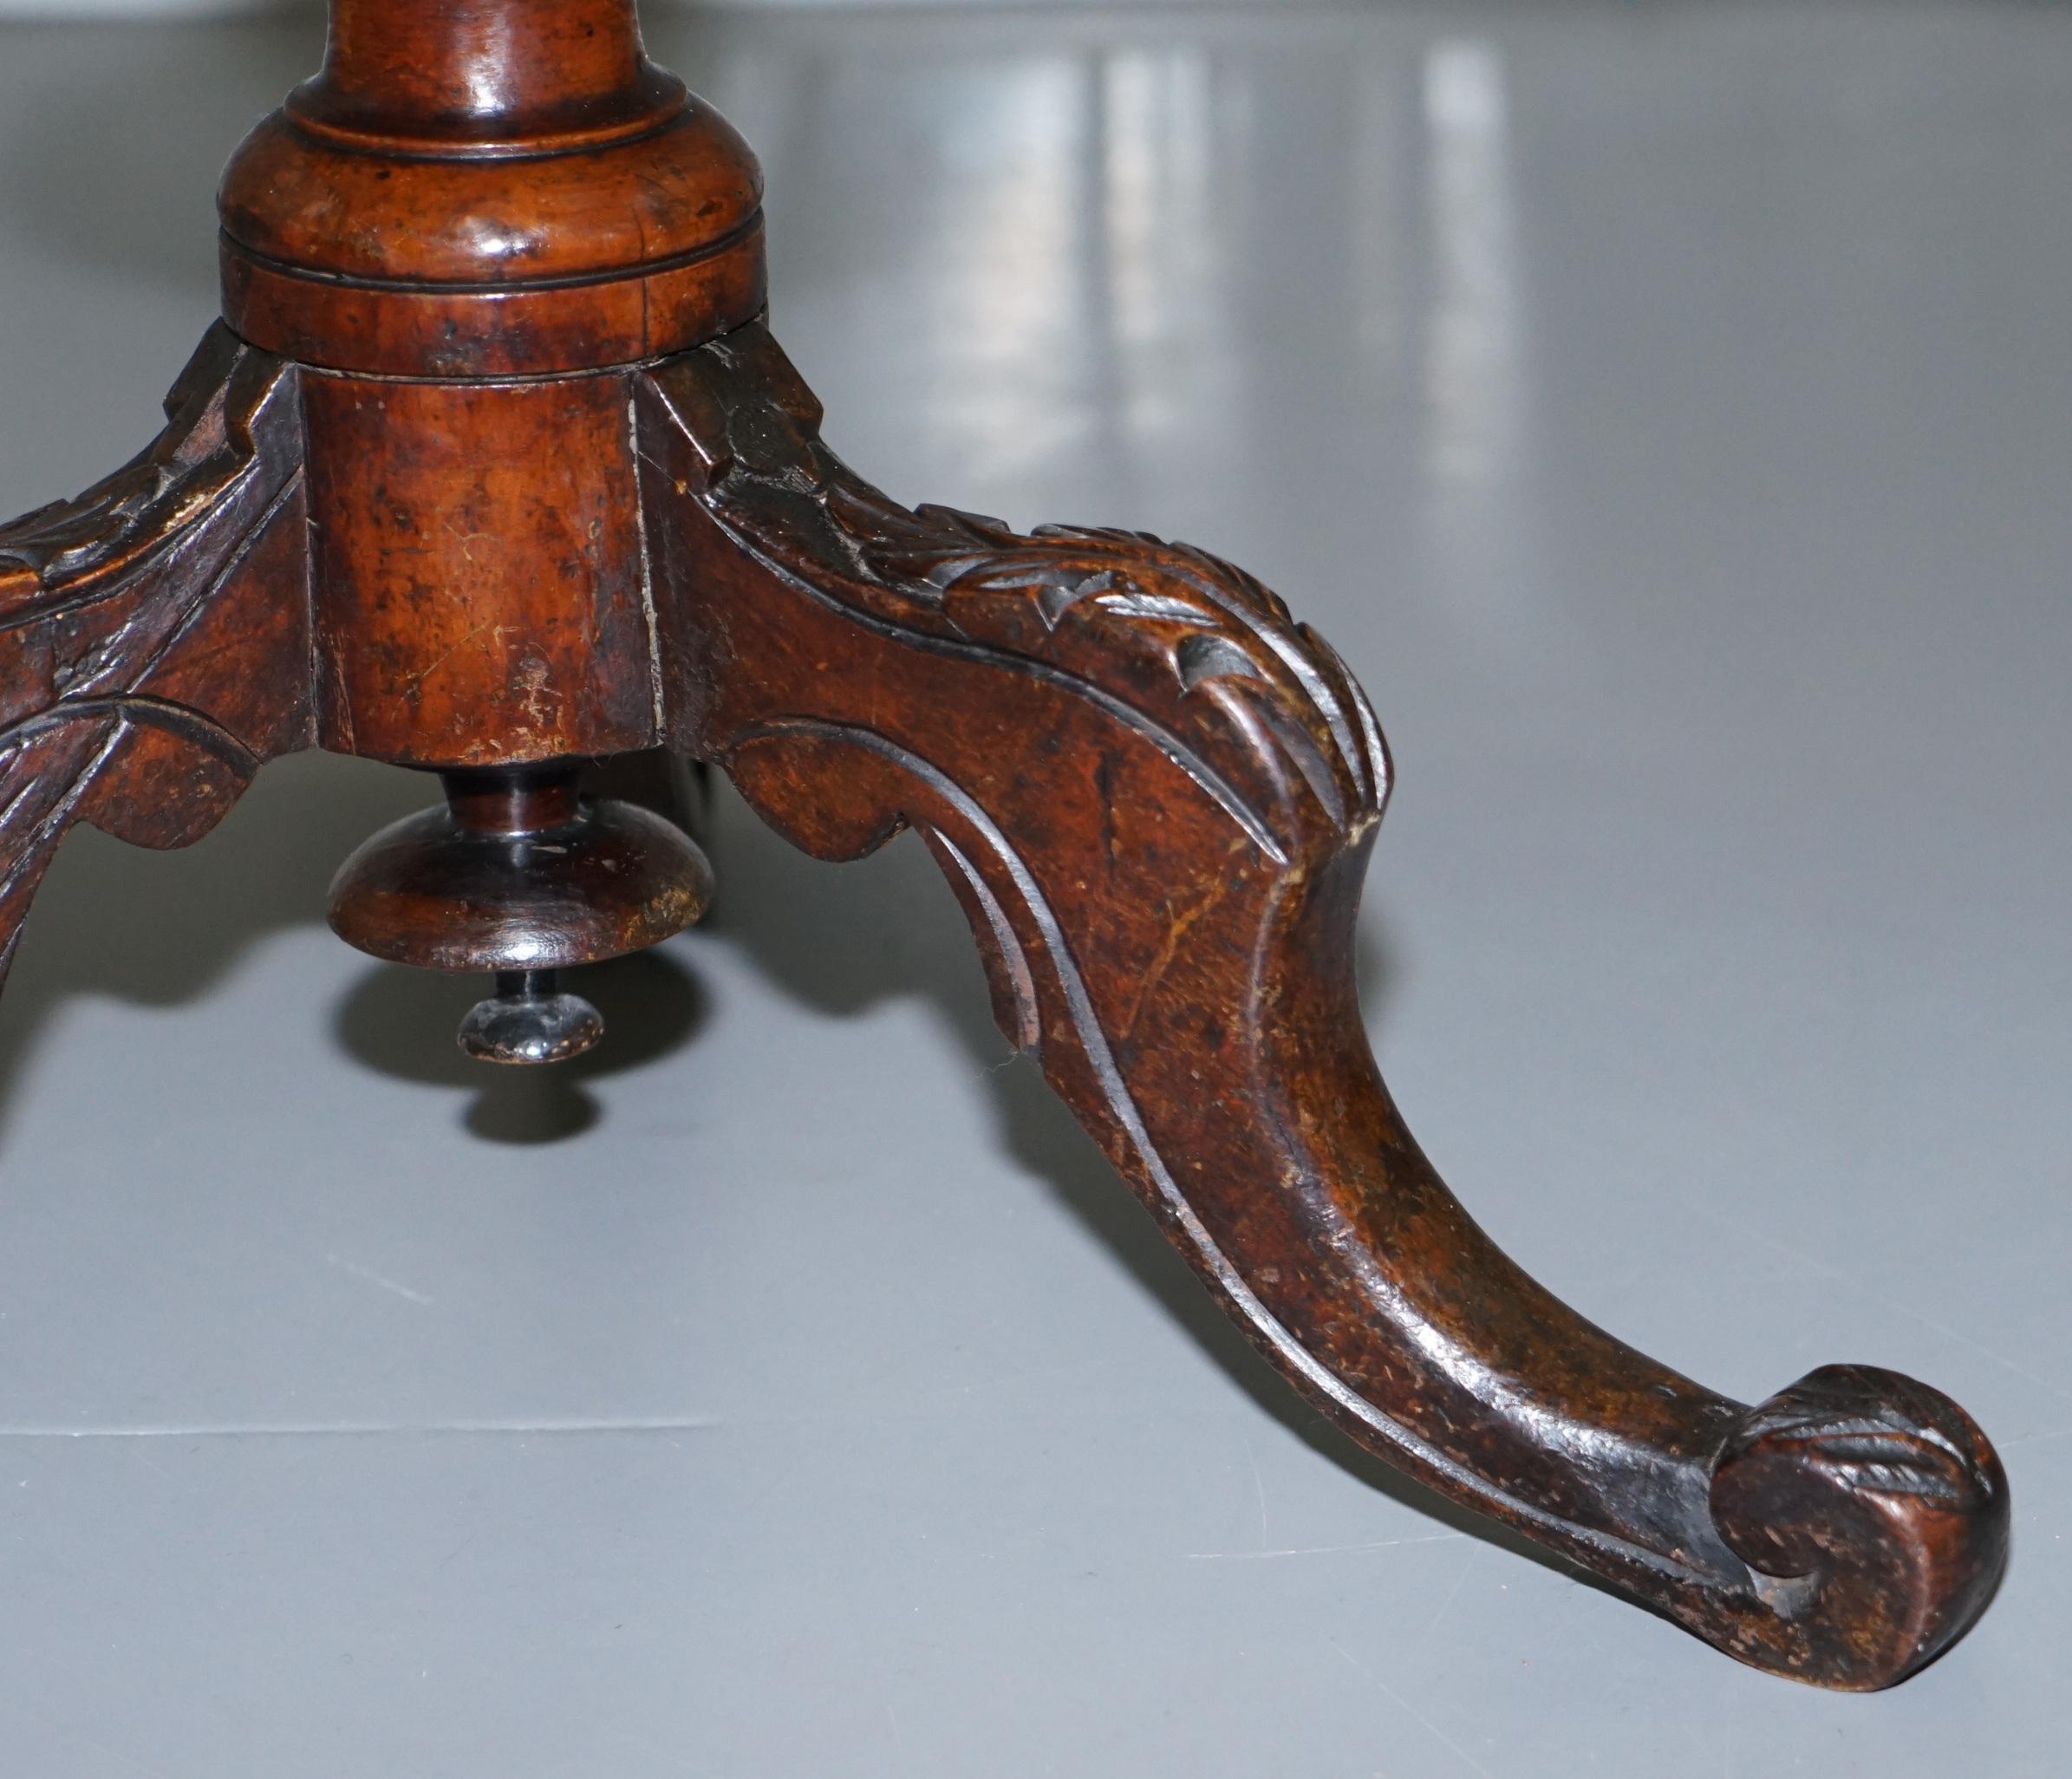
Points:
x=1155 y=795
x=154 y=633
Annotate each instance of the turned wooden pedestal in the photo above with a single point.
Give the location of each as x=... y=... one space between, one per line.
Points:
x=493 y=470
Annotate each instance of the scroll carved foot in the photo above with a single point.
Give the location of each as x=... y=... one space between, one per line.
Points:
x=1155 y=794
x=154 y=633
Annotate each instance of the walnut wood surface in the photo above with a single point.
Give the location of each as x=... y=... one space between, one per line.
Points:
x=568 y=499
x=471 y=189
x=542 y=880
x=463 y=75
x=154 y=633
x=482 y=596
x=1155 y=794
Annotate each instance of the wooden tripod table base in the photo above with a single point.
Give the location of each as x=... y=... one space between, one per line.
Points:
x=493 y=470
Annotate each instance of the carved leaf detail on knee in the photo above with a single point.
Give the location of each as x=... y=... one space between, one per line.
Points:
x=154 y=632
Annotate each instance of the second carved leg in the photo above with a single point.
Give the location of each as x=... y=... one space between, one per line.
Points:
x=155 y=632
x=1155 y=794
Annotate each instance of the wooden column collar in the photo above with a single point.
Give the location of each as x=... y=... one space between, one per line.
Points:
x=470 y=189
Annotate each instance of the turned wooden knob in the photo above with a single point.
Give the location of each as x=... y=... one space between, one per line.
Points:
x=519 y=875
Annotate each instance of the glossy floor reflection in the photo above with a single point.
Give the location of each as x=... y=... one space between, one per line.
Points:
x=1665 y=411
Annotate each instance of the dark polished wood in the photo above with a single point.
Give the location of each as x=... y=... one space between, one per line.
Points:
x=518 y=872
x=1154 y=793
x=494 y=470
x=481 y=573
x=478 y=188
x=154 y=633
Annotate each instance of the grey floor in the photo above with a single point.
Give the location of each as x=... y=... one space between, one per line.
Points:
x=1667 y=410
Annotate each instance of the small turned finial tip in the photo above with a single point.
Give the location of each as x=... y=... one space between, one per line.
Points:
x=528 y=1021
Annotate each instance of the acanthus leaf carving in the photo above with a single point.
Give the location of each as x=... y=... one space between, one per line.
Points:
x=1187 y=645
x=154 y=631
x=1046 y=710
